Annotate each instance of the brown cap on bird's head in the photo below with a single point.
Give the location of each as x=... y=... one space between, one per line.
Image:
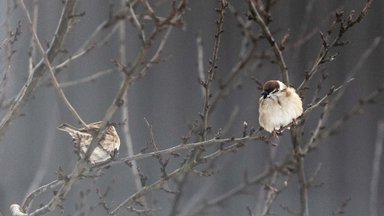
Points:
x=269 y=86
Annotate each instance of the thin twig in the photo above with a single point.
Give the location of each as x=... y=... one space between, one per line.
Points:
x=276 y=49
x=212 y=69
x=38 y=71
x=31 y=196
x=50 y=68
x=363 y=58
x=341 y=209
x=323 y=99
x=35 y=15
x=90 y=78
x=332 y=129
x=272 y=195
x=244 y=59
x=154 y=186
x=329 y=44
x=151 y=134
x=339 y=92
x=156 y=57
x=136 y=22
x=219 y=200
x=91 y=41
x=183 y=146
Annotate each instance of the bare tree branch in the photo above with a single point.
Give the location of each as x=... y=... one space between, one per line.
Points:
x=31 y=196
x=39 y=70
x=90 y=78
x=197 y=154
x=212 y=70
x=50 y=68
x=329 y=44
x=267 y=33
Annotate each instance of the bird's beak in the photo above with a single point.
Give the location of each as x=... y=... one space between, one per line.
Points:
x=264 y=94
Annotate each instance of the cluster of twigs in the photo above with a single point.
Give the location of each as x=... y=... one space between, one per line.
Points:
x=209 y=145
x=137 y=69
x=334 y=37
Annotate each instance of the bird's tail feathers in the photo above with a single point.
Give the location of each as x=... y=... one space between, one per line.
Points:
x=67 y=128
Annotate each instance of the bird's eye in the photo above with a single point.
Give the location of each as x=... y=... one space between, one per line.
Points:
x=274 y=91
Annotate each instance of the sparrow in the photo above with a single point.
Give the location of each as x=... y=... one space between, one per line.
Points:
x=107 y=147
x=279 y=105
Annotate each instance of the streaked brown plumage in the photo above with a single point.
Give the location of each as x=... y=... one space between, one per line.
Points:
x=82 y=137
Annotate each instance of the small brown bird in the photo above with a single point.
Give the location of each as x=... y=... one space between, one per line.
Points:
x=279 y=105
x=107 y=148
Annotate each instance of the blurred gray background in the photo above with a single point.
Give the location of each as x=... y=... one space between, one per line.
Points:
x=170 y=98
